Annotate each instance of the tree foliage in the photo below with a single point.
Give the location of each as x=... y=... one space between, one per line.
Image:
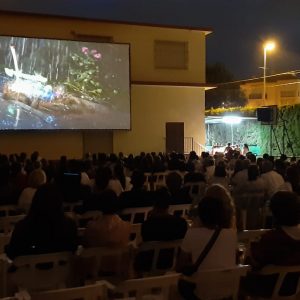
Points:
x=227 y=93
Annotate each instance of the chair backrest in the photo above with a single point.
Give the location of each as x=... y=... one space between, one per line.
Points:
x=250 y=212
x=135 y=234
x=70 y=207
x=8 y=223
x=136 y=214
x=148 y=181
x=8 y=210
x=114 y=258
x=82 y=220
x=159 y=179
x=181 y=210
x=246 y=237
x=161 y=255
x=4 y=240
x=220 y=283
x=41 y=272
x=283 y=276
x=141 y=287
x=97 y=291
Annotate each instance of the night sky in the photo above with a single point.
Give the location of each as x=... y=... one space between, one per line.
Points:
x=240 y=26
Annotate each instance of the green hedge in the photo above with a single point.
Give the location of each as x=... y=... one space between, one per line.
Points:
x=252 y=132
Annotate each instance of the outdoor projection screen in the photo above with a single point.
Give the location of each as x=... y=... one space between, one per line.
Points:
x=63 y=84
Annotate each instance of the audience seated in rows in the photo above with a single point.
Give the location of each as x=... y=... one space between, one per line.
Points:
x=138 y=196
x=280 y=246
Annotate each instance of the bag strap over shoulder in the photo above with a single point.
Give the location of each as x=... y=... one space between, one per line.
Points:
x=207 y=248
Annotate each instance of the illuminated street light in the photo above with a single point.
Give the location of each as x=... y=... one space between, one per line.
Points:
x=268 y=46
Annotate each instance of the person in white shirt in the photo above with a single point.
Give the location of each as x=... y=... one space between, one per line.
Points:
x=213 y=213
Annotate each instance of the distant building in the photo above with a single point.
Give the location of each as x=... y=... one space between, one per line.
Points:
x=281 y=90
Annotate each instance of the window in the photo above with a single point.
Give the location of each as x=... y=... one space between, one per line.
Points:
x=170 y=55
x=284 y=94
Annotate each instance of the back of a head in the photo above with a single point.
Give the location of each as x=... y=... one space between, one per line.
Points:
x=220 y=171
x=36 y=178
x=110 y=202
x=215 y=212
x=253 y=172
x=285 y=207
x=173 y=181
x=161 y=199
x=219 y=191
x=138 y=179
x=267 y=166
x=103 y=175
x=47 y=202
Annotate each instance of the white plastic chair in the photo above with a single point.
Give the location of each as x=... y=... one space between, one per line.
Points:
x=97 y=291
x=283 y=271
x=8 y=223
x=8 y=210
x=135 y=230
x=98 y=260
x=219 y=283
x=143 y=288
x=132 y=212
x=41 y=272
x=159 y=179
x=156 y=250
x=70 y=207
x=4 y=240
x=182 y=209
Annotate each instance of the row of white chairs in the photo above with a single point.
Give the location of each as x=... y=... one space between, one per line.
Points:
x=210 y=285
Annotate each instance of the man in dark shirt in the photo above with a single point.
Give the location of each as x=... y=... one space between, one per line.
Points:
x=160 y=225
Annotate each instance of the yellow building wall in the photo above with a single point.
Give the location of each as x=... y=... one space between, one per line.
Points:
x=152 y=107
x=141 y=39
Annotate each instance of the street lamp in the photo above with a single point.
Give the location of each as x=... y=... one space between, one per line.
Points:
x=268 y=46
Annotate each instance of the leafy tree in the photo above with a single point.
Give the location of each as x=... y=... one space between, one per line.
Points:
x=227 y=93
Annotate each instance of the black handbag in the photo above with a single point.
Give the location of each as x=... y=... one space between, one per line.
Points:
x=186 y=288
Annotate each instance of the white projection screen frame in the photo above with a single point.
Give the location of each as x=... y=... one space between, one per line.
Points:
x=48 y=84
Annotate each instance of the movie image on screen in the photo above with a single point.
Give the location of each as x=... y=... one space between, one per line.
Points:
x=63 y=84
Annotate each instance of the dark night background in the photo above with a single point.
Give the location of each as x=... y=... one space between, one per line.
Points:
x=240 y=26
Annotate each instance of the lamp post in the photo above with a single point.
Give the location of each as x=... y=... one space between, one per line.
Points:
x=268 y=46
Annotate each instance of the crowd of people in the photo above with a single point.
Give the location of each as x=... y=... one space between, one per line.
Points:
x=111 y=183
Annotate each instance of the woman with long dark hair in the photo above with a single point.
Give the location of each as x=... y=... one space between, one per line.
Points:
x=45 y=229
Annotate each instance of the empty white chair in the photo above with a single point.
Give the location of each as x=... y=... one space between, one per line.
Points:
x=220 y=283
x=133 y=214
x=97 y=291
x=41 y=272
x=163 y=286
